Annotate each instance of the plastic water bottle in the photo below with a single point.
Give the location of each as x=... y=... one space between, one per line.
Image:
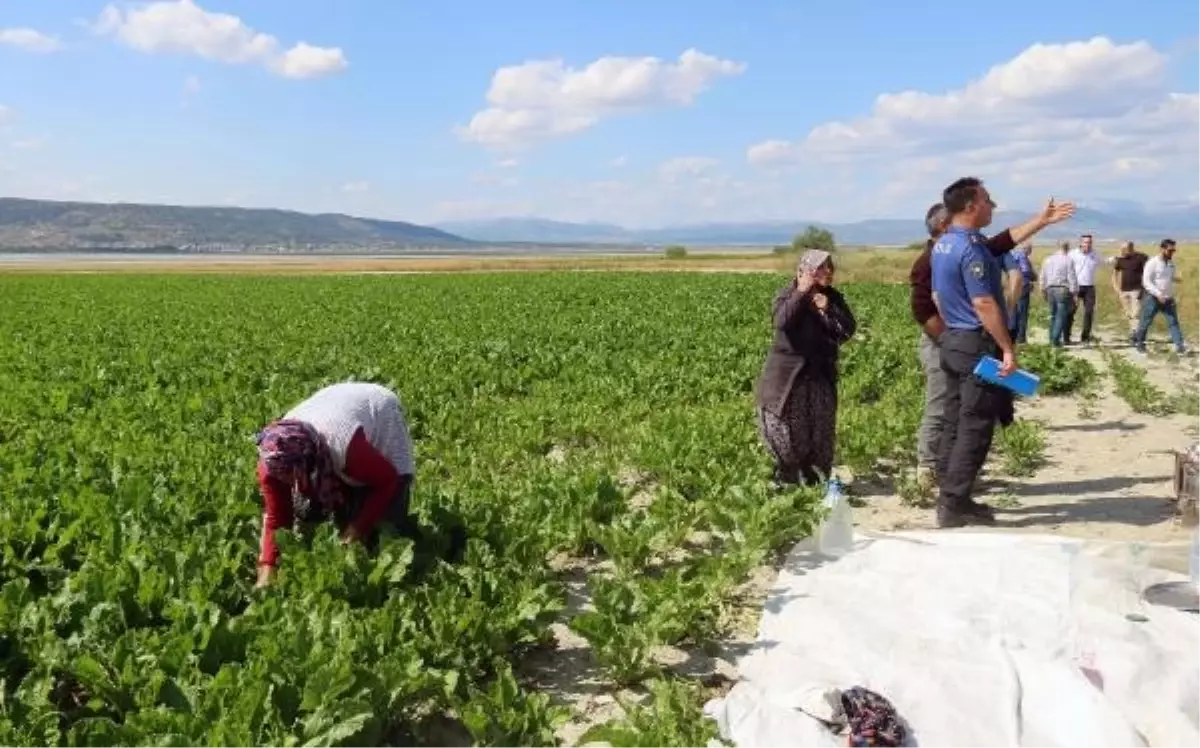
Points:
x=1194 y=561
x=837 y=531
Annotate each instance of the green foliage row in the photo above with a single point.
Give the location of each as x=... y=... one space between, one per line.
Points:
x=131 y=517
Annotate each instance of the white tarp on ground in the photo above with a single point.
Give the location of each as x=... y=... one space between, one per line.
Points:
x=977 y=639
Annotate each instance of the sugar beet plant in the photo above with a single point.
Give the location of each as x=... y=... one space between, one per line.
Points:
x=131 y=518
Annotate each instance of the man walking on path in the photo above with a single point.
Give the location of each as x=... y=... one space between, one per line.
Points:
x=1127 y=282
x=926 y=314
x=1158 y=280
x=1018 y=325
x=1086 y=262
x=1060 y=288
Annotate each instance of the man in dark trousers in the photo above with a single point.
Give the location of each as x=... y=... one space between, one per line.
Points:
x=925 y=313
x=1018 y=323
x=969 y=292
x=1087 y=262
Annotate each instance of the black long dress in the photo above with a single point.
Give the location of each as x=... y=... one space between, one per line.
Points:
x=797 y=393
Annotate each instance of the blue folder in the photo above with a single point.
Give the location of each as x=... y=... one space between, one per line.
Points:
x=1024 y=383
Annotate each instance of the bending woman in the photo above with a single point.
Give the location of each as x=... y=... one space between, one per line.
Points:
x=344 y=455
x=797 y=393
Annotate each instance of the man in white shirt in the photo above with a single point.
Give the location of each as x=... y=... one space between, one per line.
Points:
x=1158 y=279
x=1086 y=262
x=1059 y=288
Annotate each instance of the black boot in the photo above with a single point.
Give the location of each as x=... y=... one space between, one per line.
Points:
x=978 y=514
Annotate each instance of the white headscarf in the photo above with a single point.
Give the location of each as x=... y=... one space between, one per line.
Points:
x=812 y=259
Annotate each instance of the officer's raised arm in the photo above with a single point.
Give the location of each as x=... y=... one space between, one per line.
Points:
x=1052 y=213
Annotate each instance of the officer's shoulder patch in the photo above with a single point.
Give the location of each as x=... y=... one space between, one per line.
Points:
x=976 y=268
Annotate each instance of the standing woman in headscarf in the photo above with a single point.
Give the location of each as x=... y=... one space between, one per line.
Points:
x=797 y=393
x=345 y=455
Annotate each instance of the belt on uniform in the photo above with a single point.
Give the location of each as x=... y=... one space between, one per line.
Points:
x=980 y=331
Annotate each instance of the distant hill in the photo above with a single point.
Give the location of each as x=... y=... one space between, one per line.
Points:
x=51 y=225
x=1118 y=221
x=44 y=225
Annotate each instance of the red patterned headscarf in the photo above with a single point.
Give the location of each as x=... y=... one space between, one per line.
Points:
x=289 y=448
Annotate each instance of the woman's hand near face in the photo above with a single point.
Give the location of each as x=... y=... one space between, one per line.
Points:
x=805 y=280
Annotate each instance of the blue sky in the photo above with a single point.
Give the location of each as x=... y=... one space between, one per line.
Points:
x=395 y=109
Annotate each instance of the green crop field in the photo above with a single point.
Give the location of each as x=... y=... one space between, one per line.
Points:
x=540 y=404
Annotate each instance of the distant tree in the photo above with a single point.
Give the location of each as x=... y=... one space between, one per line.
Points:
x=676 y=252
x=916 y=247
x=814 y=237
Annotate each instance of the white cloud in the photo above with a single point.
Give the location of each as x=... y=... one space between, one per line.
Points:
x=6 y=114
x=29 y=40
x=182 y=27
x=356 y=187
x=770 y=152
x=508 y=163
x=543 y=99
x=1072 y=116
x=673 y=198
x=618 y=162
x=683 y=167
x=306 y=61
x=687 y=189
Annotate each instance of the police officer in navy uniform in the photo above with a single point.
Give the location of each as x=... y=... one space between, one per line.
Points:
x=968 y=289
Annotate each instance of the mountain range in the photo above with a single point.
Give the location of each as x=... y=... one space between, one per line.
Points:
x=50 y=225
x=44 y=225
x=1110 y=221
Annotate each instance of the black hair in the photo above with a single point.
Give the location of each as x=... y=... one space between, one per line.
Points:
x=1165 y=243
x=960 y=193
x=1085 y=236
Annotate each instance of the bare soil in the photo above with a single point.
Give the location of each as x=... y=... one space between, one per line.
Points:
x=1108 y=471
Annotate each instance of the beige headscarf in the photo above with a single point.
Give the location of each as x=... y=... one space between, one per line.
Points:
x=811 y=260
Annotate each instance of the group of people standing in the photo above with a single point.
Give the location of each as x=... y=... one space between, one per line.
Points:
x=960 y=298
x=1145 y=287
x=970 y=295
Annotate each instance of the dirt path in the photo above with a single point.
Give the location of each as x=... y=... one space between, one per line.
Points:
x=1108 y=470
